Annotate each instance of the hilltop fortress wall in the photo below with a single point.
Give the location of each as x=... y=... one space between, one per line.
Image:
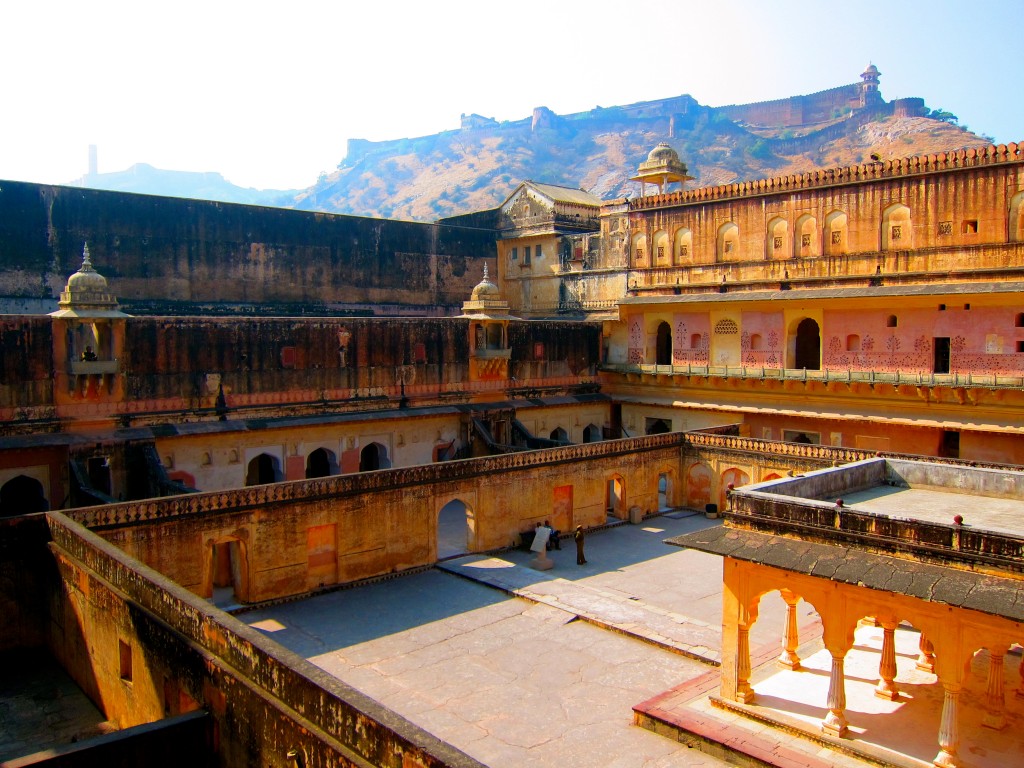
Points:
x=173 y=256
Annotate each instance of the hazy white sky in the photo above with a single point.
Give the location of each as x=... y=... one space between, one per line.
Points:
x=268 y=93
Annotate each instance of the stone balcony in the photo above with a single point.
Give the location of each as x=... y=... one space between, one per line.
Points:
x=92 y=367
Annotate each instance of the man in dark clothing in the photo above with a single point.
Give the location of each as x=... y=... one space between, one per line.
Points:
x=553 y=542
x=578 y=536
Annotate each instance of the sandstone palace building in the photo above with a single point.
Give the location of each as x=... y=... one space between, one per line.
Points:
x=205 y=403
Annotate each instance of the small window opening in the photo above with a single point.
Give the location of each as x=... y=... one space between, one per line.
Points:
x=970 y=227
x=1019 y=321
x=853 y=343
x=1020 y=346
x=891 y=321
x=125 y=657
x=967 y=306
x=942 y=307
x=515 y=254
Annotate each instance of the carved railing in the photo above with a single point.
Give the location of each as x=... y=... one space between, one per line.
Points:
x=827 y=455
x=846 y=375
x=129 y=513
x=901 y=167
x=824 y=520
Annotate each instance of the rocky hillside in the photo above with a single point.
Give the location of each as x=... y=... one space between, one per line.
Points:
x=477 y=167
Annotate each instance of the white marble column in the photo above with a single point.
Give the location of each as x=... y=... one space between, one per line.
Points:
x=995 y=701
x=949 y=731
x=835 y=722
x=791 y=636
x=886 y=687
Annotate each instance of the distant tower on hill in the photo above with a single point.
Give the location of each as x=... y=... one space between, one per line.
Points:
x=869 y=93
x=93 y=163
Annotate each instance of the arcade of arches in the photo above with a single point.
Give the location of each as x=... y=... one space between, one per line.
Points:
x=948 y=641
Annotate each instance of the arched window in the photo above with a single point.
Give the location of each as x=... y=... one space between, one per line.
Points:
x=853 y=343
x=756 y=342
x=728 y=245
x=835 y=233
x=695 y=339
x=321 y=463
x=778 y=239
x=896 y=231
x=592 y=434
x=1015 y=231
x=639 y=250
x=806 y=236
x=682 y=253
x=807 y=345
x=560 y=435
x=264 y=469
x=374 y=456
x=663 y=348
x=662 y=254
x=891 y=321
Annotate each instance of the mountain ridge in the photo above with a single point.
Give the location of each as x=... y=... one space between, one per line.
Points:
x=476 y=166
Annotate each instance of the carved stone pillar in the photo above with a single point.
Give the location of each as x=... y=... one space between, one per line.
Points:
x=835 y=722
x=995 y=702
x=744 y=693
x=926 y=658
x=791 y=635
x=886 y=687
x=949 y=730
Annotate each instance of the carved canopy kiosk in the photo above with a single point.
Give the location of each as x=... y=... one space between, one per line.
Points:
x=488 y=317
x=88 y=339
x=865 y=562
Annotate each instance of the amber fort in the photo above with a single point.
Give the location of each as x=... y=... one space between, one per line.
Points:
x=787 y=414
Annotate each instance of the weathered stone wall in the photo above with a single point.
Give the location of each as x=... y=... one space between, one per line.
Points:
x=26 y=360
x=26 y=574
x=176 y=256
x=142 y=647
x=292 y=537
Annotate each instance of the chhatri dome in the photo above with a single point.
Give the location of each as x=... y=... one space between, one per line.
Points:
x=87 y=293
x=662 y=167
x=485 y=289
x=486 y=301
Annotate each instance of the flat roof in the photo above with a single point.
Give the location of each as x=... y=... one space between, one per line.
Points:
x=988 y=593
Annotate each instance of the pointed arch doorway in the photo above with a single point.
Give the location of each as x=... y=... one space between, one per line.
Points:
x=807 y=345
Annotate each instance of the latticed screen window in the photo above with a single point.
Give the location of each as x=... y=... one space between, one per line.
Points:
x=683 y=250
x=639 y=253
x=897 y=232
x=837 y=237
x=778 y=243
x=661 y=251
x=945 y=227
x=805 y=241
x=728 y=246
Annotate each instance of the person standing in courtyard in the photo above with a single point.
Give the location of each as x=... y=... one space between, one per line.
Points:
x=578 y=536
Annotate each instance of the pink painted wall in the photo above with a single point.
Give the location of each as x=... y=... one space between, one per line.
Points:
x=684 y=326
x=982 y=340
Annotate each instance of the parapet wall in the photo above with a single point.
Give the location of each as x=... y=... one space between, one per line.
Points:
x=264 y=700
x=1001 y=154
x=174 y=256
